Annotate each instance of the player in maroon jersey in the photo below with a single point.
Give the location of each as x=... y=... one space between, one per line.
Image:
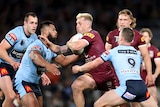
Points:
x=98 y=78
x=155 y=59
x=126 y=19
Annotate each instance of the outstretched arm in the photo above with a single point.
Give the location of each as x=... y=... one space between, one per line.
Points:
x=65 y=60
x=54 y=48
x=87 y=66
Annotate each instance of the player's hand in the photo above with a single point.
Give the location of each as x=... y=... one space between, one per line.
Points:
x=15 y=65
x=53 y=68
x=149 y=80
x=154 y=77
x=45 y=40
x=45 y=79
x=76 y=69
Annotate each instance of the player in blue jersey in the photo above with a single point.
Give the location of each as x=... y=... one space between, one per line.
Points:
x=36 y=60
x=12 y=48
x=126 y=61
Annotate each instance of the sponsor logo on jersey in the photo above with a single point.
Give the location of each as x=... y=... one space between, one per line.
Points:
x=12 y=37
x=158 y=54
x=151 y=53
x=129 y=96
x=128 y=51
x=130 y=71
x=3 y=71
x=116 y=38
x=89 y=59
x=89 y=35
x=36 y=48
x=17 y=54
x=142 y=39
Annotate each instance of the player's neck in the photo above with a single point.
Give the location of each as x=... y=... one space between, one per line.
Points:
x=125 y=43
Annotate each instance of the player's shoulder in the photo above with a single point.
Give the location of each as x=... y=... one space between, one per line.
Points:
x=18 y=28
x=94 y=32
x=153 y=47
x=91 y=34
x=113 y=32
x=36 y=45
x=137 y=32
x=37 y=42
x=18 y=31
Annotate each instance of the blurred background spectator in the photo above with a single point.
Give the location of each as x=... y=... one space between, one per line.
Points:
x=63 y=13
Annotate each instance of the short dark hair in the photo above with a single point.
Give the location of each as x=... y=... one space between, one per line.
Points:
x=45 y=23
x=128 y=34
x=29 y=14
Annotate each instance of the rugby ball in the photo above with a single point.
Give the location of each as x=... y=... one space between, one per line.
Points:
x=53 y=78
x=75 y=38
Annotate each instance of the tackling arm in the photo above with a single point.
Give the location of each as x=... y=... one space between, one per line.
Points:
x=40 y=61
x=88 y=66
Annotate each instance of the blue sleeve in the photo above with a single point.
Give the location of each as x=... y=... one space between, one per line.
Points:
x=105 y=56
x=54 y=55
x=12 y=37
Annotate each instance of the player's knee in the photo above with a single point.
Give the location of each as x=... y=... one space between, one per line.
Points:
x=77 y=86
x=30 y=103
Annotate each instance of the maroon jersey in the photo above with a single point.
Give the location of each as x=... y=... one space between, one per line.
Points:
x=96 y=44
x=154 y=55
x=102 y=74
x=112 y=39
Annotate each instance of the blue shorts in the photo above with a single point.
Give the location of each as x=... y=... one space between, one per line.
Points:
x=23 y=87
x=134 y=91
x=7 y=69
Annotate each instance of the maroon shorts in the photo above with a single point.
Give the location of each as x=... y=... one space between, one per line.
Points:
x=105 y=76
x=143 y=76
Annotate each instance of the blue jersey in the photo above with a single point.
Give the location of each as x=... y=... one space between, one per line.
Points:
x=126 y=61
x=19 y=42
x=28 y=70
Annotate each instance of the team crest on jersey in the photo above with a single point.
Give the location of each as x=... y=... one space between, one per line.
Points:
x=89 y=35
x=36 y=48
x=116 y=38
x=3 y=71
x=28 y=89
x=151 y=53
x=12 y=37
x=142 y=39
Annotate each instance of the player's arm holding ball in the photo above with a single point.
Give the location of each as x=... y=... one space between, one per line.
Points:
x=76 y=44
